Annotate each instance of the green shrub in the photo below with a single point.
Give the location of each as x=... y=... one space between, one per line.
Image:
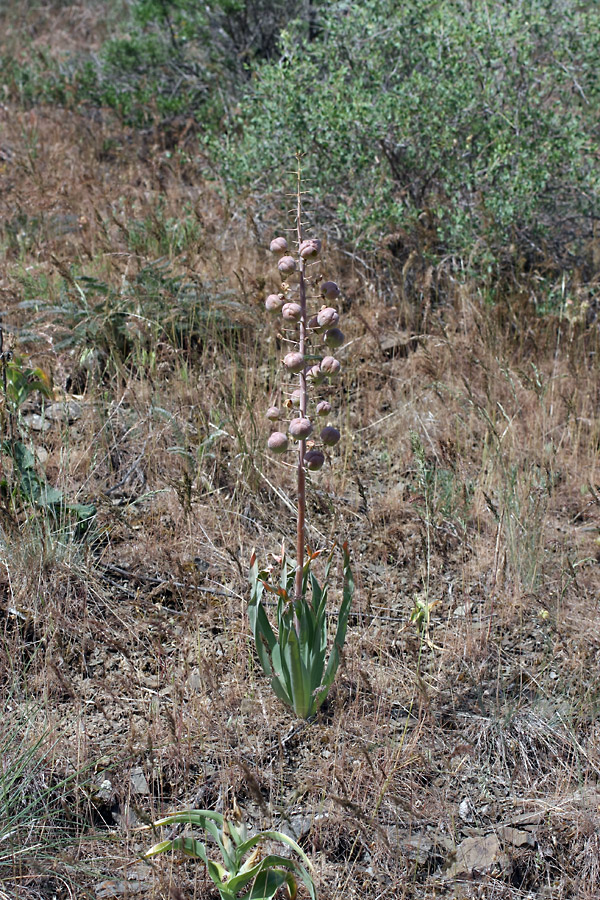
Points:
x=478 y=117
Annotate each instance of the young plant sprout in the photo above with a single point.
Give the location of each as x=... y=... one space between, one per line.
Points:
x=294 y=654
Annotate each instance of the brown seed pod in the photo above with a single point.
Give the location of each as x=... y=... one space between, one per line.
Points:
x=291 y=312
x=314 y=459
x=327 y=317
x=330 y=290
x=278 y=246
x=274 y=303
x=286 y=266
x=334 y=338
x=273 y=413
x=294 y=362
x=315 y=375
x=300 y=428
x=278 y=442
x=323 y=408
x=330 y=436
x=330 y=366
x=310 y=249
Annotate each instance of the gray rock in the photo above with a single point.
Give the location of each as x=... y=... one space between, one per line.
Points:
x=139 y=784
x=478 y=856
x=65 y=411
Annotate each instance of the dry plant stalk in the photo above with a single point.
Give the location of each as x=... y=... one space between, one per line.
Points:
x=295 y=658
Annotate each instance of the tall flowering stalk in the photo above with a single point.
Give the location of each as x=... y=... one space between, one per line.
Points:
x=294 y=655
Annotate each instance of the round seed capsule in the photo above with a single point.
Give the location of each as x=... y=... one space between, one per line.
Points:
x=278 y=245
x=323 y=408
x=330 y=290
x=330 y=366
x=300 y=428
x=314 y=459
x=287 y=266
x=291 y=312
x=315 y=375
x=273 y=413
x=278 y=442
x=328 y=317
x=330 y=436
x=294 y=362
x=274 y=303
x=310 y=249
x=334 y=338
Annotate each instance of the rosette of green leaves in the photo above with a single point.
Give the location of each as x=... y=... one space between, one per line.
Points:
x=241 y=864
x=294 y=655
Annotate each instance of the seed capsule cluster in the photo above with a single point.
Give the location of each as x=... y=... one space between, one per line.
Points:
x=317 y=335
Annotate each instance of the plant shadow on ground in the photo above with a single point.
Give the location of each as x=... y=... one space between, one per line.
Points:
x=457 y=753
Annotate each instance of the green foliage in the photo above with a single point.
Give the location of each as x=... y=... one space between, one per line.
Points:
x=26 y=485
x=241 y=865
x=111 y=327
x=294 y=657
x=172 y=57
x=480 y=116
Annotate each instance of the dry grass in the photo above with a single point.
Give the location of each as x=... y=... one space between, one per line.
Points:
x=467 y=486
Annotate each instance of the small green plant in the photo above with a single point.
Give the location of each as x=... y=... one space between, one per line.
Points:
x=295 y=659
x=294 y=655
x=241 y=866
x=18 y=382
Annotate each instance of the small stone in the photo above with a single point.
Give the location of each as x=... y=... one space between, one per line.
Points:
x=35 y=422
x=139 y=784
x=66 y=411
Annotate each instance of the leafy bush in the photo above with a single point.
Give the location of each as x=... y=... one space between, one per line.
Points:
x=478 y=118
x=172 y=57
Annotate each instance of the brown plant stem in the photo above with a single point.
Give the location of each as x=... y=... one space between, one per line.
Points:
x=300 y=524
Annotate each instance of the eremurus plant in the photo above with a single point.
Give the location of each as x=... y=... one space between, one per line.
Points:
x=294 y=654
